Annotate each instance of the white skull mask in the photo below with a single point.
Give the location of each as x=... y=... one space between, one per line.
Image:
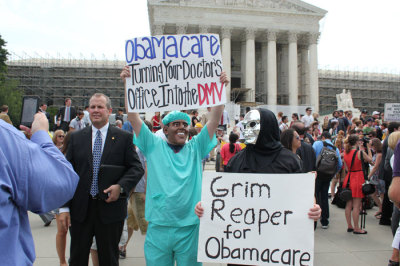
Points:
x=251 y=123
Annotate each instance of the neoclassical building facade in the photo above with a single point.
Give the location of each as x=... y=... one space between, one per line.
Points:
x=269 y=47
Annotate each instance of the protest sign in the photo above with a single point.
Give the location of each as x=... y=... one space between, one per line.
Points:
x=257 y=219
x=174 y=72
x=392 y=112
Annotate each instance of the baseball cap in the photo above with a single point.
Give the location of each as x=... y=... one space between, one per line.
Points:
x=198 y=125
x=375 y=113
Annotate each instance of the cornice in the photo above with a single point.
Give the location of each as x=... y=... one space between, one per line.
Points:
x=278 y=7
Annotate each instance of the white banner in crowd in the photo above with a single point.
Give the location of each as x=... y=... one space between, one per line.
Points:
x=257 y=219
x=392 y=112
x=174 y=72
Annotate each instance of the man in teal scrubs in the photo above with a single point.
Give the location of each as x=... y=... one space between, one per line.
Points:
x=173 y=184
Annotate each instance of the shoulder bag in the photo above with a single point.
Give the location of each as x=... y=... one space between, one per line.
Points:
x=345 y=193
x=367 y=187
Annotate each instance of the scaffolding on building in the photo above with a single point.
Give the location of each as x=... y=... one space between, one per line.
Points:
x=370 y=90
x=54 y=79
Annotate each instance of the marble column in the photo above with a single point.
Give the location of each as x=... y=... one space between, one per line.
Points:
x=204 y=28
x=264 y=71
x=250 y=64
x=304 y=89
x=313 y=71
x=158 y=29
x=226 y=57
x=181 y=28
x=293 y=76
x=243 y=63
x=271 y=69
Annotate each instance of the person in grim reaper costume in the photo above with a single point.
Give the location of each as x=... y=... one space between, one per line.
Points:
x=264 y=153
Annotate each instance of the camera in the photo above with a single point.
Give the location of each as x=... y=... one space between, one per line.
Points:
x=365 y=141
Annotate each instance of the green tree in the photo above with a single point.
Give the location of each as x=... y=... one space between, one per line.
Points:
x=9 y=93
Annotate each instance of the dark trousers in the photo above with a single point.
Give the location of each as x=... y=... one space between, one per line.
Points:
x=395 y=219
x=47 y=217
x=387 y=207
x=107 y=238
x=321 y=194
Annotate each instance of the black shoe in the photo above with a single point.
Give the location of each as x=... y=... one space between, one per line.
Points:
x=385 y=222
x=393 y=263
x=363 y=232
x=47 y=224
x=122 y=254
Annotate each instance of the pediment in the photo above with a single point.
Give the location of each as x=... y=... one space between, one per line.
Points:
x=290 y=6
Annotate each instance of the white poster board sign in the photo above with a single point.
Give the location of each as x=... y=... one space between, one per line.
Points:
x=392 y=112
x=174 y=72
x=257 y=219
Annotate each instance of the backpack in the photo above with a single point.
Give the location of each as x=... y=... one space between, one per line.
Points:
x=327 y=162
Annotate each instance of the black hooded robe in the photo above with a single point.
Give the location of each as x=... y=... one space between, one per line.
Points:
x=267 y=156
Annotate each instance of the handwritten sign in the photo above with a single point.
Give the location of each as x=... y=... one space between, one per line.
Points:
x=392 y=112
x=170 y=72
x=257 y=219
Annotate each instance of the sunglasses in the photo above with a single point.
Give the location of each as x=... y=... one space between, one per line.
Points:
x=60 y=136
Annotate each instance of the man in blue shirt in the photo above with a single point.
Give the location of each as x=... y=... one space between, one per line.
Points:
x=34 y=176
x=322 y=184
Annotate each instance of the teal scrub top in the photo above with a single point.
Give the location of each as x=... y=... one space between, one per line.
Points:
x=173 y=179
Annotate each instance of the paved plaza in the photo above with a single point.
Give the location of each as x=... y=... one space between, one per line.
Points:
x=333 y=246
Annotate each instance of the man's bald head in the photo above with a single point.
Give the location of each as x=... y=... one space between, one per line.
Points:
x=299 y=128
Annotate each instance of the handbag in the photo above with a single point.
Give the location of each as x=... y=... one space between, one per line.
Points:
x=367 y=187
x=345 y=194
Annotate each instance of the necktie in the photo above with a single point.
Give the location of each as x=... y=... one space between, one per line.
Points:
x=66 y=114
x=222 y=119
x=94 y=190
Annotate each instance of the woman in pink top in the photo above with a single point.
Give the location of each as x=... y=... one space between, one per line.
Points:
x=228 y=151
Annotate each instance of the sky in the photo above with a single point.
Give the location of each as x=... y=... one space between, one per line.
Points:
x=357 y=35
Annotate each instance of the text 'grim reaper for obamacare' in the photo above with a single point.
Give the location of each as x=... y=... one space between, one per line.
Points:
x=172 y=72
x=257 y=219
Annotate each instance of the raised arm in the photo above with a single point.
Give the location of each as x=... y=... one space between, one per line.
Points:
x=133 y=117
x=216 y=111
x=44 y=179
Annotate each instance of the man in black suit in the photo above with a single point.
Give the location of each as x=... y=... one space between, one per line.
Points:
x=43 y=108
x=65 y=115
x=100 y=144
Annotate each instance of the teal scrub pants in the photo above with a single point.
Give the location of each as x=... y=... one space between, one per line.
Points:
x=166 y=244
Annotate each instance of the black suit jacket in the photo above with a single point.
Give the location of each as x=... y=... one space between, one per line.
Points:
x=307 y=155
x=61 y=113
x=118 y=150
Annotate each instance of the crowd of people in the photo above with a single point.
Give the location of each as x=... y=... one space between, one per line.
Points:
x=364 y=149
x=172 y=149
